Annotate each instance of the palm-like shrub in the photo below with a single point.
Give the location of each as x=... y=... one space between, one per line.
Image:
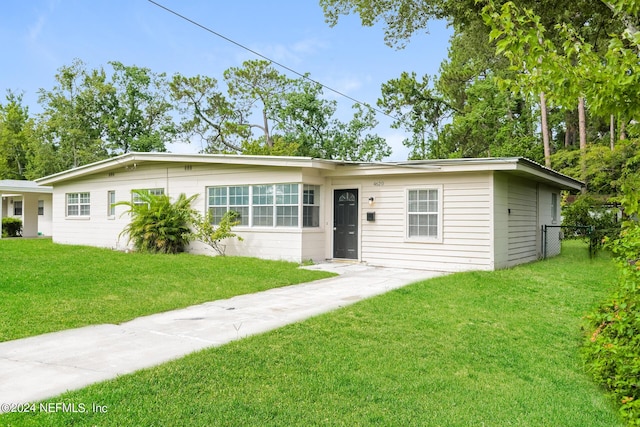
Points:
x=157 y=225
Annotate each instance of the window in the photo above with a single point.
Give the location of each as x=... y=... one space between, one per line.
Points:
x=154 y=191
x=17 y=208
x=78 y=204
x=239 y=202
x=111 y=200
x=287 y=205
x=223 y=199
x=554 y=208
x=263 y=205
x=311 y=206
x=423 y=211
x=40 y=207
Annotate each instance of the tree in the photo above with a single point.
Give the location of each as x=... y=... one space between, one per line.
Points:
x=207 y=113
x=136 y=115
x=294 y=119
x=16 y=135
x=71 y=124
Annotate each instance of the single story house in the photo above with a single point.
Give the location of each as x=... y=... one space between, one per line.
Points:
x=29 y=202
x=447 y=215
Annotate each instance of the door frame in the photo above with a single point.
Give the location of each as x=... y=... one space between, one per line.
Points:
x=358 y=221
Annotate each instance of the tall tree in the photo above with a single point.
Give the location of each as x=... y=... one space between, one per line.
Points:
x=290 y=115
x=136 y=110
x=72 y=118
x=16 y=134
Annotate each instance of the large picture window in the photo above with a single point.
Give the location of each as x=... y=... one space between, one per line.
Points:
x=423 y=213
x=78 y=204
x=266 y=205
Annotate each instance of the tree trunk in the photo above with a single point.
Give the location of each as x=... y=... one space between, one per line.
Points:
x=612 y=132
x=266 y=129
x=545 y=130
x=623 y=130
x=582 y=129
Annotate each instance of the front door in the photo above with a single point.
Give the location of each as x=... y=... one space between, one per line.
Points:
x=345 y=224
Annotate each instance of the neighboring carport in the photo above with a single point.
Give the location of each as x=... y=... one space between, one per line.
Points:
x=29 y=194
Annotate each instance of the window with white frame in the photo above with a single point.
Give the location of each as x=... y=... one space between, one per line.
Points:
x=233 y=198
x=40 y=207
x=262 y=205
x=239 y=202
x=423 y=213
x=17 y=208
x=78 y=204
x=287 y=205
x=135 y=197
x=311 y=206
x=266 y=205
x=111 y=203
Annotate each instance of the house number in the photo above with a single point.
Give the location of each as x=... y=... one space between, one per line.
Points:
x=378 y=183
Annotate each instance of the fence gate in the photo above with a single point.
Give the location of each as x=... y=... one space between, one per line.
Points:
x=553 y=235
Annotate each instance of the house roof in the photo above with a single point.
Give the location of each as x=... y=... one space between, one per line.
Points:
x=512 y=165
x=14 y=186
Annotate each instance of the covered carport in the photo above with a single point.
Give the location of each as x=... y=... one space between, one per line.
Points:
x=30 y=202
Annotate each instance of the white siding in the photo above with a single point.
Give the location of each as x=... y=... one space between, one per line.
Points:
x=101 y=230
x=523 y=221
x=466 y=216
x=500 y=221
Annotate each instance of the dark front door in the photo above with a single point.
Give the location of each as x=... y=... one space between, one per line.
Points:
x=345 y=224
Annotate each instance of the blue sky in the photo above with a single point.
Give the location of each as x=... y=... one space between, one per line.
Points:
x=40 y=36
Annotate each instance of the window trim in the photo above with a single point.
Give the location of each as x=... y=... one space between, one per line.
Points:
x=277 y=201
x=79 y=204
x=40 y=207
x=315 y=204
x=424 y=239
x=15 y=207
x=111 y=208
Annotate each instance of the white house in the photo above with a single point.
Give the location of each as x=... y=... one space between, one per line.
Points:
x=449 y=215
x=29 y=202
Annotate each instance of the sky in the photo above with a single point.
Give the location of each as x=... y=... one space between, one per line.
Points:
x=40 y=36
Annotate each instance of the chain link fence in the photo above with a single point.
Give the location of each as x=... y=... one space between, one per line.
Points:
x=553 y=235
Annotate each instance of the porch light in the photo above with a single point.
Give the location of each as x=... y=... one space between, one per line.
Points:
x=371 y=200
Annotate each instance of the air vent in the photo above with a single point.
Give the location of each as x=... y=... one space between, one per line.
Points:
x=188 y=167
x=112 y=174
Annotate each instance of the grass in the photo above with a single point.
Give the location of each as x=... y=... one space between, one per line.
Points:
x=472 y=349
x=45 y=287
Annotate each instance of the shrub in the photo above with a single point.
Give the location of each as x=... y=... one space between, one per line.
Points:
x=11 y=227
x=612 y=349
x=157 y=225
x=213 y=236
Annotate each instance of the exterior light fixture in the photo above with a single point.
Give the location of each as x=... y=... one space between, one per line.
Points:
x=371 y=200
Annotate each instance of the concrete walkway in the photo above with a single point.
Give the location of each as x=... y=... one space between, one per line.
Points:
x=44 y=366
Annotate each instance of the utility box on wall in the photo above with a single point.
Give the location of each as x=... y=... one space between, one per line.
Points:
x=371 y=216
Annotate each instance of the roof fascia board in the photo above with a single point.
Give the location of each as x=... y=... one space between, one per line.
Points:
x=140 y=158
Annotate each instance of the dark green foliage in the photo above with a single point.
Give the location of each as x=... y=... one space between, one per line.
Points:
x=11 y=227
x=612 y=347
x=591 y=211
x=157 y=225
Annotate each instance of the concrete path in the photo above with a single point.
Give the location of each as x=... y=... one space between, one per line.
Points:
x=44 y=366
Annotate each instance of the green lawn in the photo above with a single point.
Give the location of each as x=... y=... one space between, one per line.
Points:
x=471 y=349
x=46 y=287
